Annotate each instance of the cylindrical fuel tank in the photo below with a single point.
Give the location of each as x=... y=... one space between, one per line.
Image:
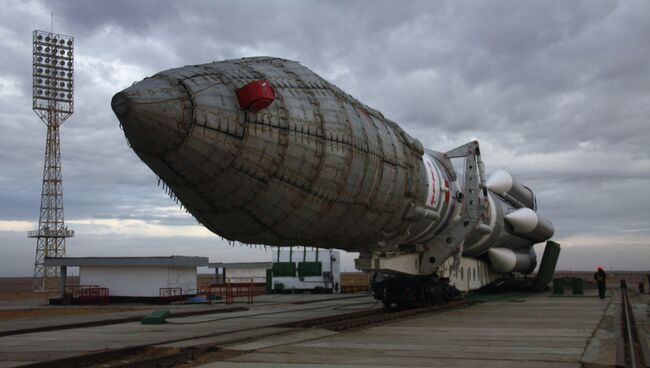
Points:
x=505 y=260
x=502 y=183
x=316 y=167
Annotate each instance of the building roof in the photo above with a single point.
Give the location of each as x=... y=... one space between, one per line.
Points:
x=241 y=265
x=183 y=261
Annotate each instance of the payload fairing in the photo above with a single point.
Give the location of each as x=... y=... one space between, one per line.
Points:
x=264 y=151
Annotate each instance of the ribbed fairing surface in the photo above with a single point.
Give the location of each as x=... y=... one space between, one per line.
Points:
x=316 y=167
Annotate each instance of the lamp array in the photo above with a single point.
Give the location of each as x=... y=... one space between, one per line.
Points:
x=53 y=71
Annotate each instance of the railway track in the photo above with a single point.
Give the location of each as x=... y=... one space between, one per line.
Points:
x=367 y=318
x=631 y=351
x=161 y=355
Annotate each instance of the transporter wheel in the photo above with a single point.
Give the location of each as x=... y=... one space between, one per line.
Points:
x=409 y=292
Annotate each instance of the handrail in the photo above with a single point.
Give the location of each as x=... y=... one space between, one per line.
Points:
x=47 y=233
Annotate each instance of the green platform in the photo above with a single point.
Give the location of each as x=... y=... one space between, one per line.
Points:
x=157 y=317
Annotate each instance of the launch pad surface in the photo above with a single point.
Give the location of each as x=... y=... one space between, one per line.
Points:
x=508 y=330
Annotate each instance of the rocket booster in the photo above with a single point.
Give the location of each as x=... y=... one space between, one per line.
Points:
x=264 y=151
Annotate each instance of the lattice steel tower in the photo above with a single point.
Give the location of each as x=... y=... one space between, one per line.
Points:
x=53 y=102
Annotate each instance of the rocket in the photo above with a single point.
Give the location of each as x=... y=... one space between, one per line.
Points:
x=264 y=151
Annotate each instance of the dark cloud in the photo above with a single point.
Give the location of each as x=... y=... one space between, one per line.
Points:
x=555 y=91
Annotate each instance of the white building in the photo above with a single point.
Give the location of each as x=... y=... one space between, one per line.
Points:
x=133 y=277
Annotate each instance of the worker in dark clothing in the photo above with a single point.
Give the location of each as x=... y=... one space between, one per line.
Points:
x=600 y=276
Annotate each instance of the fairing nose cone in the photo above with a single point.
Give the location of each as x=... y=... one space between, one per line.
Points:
x=155 y=114
x=503 y=260
x=120 y=103
x=500 y=182
x=524 y=220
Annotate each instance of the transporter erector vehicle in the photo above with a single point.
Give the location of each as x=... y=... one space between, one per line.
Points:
x=264 y=151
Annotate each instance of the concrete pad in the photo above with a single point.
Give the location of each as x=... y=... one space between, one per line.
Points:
x=288 y=338
x=601 y=350
x=324 y=359
x=229 y=337
x=10 y=364
x=19 y=324
x=64 y=343
x=534 y=331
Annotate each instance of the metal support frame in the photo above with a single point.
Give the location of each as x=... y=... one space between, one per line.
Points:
x=473 y=200
x=53 y=102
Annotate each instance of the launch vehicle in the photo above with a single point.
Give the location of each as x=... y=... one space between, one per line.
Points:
x=264 y=151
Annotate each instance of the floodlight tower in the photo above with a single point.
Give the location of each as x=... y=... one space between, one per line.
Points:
x=53 y=102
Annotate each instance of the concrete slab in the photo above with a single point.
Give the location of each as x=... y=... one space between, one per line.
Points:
x=59 y=317
x=288 y=338
x=533 y=331
x=63 y=343
x=116 y=311
x=229 y=337
x=12 y=364
x=601 y=350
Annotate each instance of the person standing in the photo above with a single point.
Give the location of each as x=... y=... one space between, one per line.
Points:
x=600 y=276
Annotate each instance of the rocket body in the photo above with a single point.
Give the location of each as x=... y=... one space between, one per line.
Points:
x=316 y=167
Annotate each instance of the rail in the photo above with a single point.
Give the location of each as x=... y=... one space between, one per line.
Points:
x=371 y=317
x=633 y=354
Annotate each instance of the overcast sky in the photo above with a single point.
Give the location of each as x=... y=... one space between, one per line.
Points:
x=557 y=92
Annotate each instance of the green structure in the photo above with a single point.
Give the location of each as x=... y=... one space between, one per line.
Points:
x=284 y=269
x=547 y=266
x=157 y=317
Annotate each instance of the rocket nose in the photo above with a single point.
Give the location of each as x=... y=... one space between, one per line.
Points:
x=120 y=103
x=155 y=114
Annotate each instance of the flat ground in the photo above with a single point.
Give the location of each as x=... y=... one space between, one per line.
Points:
x=512 y=330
